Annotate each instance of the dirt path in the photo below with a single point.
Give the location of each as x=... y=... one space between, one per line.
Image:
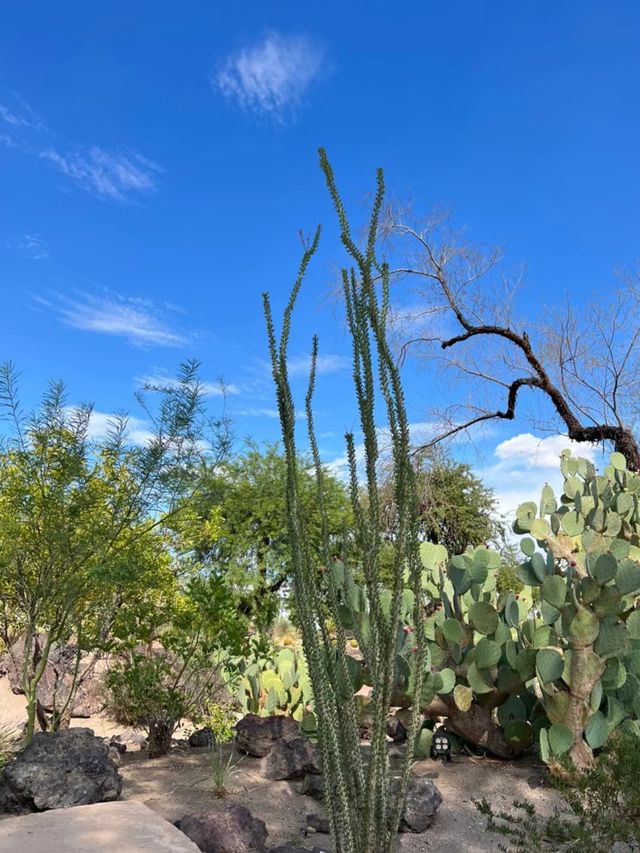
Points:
x=181 y=783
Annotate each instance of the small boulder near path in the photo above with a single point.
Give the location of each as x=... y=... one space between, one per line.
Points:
x=233 y=830
x=59 y=770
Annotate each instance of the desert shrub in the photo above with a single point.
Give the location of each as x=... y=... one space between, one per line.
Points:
x=602 y=806
x=158 y=690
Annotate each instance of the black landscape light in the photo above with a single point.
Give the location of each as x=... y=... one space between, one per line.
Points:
x=441 y=745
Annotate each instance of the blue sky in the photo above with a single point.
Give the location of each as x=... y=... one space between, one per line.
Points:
x=157 y=161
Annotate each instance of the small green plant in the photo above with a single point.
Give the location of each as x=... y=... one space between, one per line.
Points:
x=220 y=720
x=602 y=806
x=223 y=769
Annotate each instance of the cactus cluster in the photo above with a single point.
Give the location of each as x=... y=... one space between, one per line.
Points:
x=583 y=552
x=559 y=662
x=276 y=683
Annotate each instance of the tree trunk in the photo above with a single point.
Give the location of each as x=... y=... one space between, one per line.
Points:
x=476 y=725
x=160 y=734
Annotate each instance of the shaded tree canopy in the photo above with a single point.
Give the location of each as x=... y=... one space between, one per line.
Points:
x=584 y=360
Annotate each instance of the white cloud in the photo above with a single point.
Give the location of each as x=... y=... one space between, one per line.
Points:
x=22 y=116
x=104 y=174
x=139 y=321
x=535 y=452
x=100 y=423
x=326 y=364
x=271 y=76
x=525 y=464
x=32 y=247
x=209 y=389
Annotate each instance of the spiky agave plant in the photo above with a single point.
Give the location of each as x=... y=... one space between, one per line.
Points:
x=365 y=797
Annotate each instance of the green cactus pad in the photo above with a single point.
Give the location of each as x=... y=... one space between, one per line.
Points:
x=452 y=630
x=597 y=731
x=554 y=590
x=549 y=665
x=628 y=578
x=561 y=739
x=488 y=654
x=484 y=617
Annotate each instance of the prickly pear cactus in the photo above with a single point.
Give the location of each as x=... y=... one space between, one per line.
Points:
x=582 y=552
x=277 y=684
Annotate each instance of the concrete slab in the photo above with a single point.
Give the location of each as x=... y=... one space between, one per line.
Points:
x=121 y=827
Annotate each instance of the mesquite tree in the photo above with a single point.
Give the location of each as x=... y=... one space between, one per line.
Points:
x=364 y=801
x=583 y=363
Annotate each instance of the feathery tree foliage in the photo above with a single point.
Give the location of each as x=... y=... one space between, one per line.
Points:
x=364 y=808
x=77 y=514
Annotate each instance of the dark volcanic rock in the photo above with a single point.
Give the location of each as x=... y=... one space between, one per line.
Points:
x=58 y=676
x=313 y=786
x=318 y=823
x=58 y=770
x=421 y=805
x=256 y=735
x=234 y=830
x=290 y=758
x=201 y=737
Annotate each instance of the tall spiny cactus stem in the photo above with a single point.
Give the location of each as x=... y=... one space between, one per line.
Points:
x=363 y=814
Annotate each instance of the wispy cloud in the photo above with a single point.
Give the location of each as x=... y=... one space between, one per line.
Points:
x=30 y=246
x=326 y=364
x=117 y=176
x=270 y=77
x=113 y=175
x=535 y=452
x=265 y=413
x=22 y=115
x=139 y=321
x=209 y=389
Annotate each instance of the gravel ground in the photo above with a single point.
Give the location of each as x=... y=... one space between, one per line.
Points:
x=181 y=783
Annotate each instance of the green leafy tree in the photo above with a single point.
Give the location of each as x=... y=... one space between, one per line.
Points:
x=250 y=542
x=73 y=512
x=456 y=509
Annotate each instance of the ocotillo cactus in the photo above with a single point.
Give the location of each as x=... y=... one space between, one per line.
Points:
x=363 y=808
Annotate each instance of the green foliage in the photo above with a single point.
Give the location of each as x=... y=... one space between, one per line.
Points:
x=602 y=806
x=78 y=519
x=273 y=681
x=221 y=720
x=223 y=770
x=250 y=543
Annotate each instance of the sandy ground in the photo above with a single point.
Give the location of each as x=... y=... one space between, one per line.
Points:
x=181 y=783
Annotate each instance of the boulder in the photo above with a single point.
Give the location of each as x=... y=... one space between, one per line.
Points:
x=313 y=786
x=318 y=823
x=422 y=803
x=396 y=729
x=59 y=770
x=201 y=737
x=290 y=758
x=255 y=735
x=233 y=830
x=53 y=688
